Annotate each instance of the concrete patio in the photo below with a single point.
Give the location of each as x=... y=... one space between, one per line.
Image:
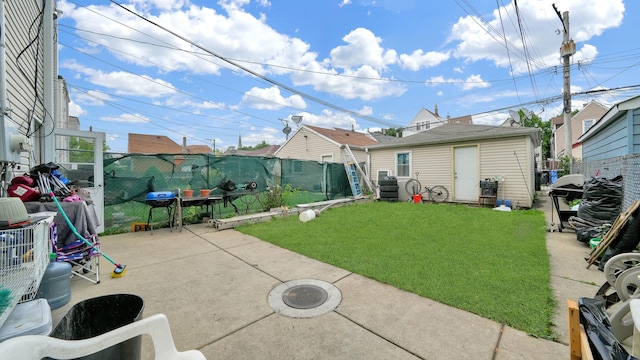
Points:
x=213 y=286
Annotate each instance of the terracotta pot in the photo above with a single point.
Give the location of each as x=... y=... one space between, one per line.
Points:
x=205 y=193
x=187 y=193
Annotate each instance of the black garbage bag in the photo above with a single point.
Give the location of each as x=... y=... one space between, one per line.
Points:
x=603 y=343
x=587 y=233
x=626 y=241
x=601 y=200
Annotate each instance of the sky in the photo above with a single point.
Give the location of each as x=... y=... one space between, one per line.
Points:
x=216 y=72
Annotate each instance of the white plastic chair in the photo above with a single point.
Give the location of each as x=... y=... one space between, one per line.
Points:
x=36 y=347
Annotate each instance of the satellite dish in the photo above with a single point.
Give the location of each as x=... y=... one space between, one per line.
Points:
x=515 y=116
x=287 y=130
x=296 y=118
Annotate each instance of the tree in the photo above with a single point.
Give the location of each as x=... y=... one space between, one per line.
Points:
x=259 y=146
x=535 y=121
x=393 y=132
x=81 y=150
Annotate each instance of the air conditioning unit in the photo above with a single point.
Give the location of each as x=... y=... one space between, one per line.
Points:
x=13 y=143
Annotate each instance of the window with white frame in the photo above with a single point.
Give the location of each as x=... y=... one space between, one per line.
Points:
x=586 y=124
x=326 y=158
x=403 y=164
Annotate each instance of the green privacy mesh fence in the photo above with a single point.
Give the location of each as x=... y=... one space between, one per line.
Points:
x=262 y=183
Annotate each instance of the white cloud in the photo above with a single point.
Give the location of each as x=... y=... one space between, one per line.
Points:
x=271 y=99
x=419 y=59
x=586 y=54
x=76 y=110
x=126 y=118
x=123 y=83
x=366 y=110
x=363 y=48
x=493 y=118
x=481 y=39
x=344 y=3
x=472 y=82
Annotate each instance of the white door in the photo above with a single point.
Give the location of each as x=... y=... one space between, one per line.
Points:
x=466 y=178
x=80 y=154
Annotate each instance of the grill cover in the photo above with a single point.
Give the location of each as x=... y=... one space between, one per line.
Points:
x=160 y=198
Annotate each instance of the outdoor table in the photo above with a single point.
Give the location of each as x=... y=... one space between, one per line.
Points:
x=185 y=202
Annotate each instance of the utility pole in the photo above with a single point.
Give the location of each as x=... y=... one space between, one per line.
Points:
x=213 y=141
x=567 y=49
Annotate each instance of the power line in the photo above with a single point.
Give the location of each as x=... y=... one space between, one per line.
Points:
x=265 y=78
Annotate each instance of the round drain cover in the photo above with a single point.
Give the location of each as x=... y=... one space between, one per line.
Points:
x=304 y=296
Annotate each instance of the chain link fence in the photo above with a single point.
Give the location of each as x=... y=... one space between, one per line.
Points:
x=128 y=178
x=627 y=166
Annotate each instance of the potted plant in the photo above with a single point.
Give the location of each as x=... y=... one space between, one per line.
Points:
x=205 y=192
x=188 y=192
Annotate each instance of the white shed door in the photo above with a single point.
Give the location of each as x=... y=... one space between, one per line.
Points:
x=466 y=178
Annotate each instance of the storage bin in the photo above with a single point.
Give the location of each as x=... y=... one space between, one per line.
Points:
x=28 y=318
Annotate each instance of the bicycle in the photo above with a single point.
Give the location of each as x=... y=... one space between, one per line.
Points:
x=436 y=193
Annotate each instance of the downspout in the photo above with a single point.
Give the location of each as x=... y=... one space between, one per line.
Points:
x=3 y=67
x=366 y=150
x=3 y=93
x=47 y=142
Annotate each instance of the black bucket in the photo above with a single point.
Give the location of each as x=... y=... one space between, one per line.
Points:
x=96 y=316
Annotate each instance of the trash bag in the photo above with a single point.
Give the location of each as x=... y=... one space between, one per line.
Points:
x=585 y=234
x=601 y=200
x=602 y=342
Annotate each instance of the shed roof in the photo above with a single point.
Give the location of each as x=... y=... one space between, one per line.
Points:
x=454 y=132
x=344 y=137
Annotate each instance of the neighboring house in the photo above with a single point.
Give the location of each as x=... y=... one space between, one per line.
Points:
x=616 y=133
x=426 y=120
x=580 y=122
x=160 y=144
x=458 y=156
x=324 y=145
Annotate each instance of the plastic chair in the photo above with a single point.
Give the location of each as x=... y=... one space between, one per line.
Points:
x=84 y=259
x=36 y=347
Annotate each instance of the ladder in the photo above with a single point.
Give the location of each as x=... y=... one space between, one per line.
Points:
x=352 y=175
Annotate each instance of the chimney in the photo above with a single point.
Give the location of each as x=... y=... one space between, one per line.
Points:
x=436 y=110
x=353 y=127
x=184 y=144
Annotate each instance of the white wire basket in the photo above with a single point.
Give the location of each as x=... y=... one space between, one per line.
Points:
x=24 y=257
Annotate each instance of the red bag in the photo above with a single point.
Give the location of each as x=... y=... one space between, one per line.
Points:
x=24 y=192
x=24 y=180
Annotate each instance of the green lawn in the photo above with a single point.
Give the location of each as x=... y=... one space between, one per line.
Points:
x=492 y=263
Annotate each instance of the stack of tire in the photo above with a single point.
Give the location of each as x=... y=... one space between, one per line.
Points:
x=388 y=188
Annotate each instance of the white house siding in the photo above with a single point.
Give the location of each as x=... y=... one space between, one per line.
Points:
x=510 y=160
x=21 y=95
x=435 y=165
x=314 y=147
